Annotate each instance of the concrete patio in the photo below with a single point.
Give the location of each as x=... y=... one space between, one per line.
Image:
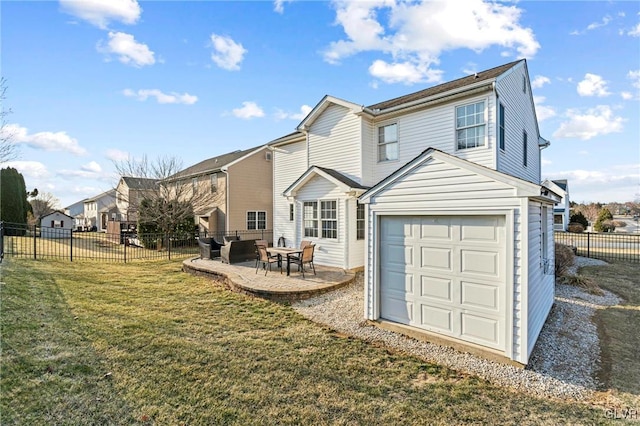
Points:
x=242 y=277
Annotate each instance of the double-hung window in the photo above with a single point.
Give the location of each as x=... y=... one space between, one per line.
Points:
x=257 y=220
x=360 y=221
x=310 y=218
x=501 y=126
x=470 y=125
x=329 y=219
x=388 y=142
x=214 y=182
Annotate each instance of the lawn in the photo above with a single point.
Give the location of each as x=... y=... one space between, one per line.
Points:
x=144 y=343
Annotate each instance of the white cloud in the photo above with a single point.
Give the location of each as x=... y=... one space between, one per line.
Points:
x=162 y=98
x=92 y=167
x=47 y=141
x=249 y=110
x=634 y=76
x=278 y=5
x=615 y=183
x=227 y=53
x=604 y=22
x=595 y=122
x=635 y=31
x=128 y=50
x=101 y=12
x=593 y=85
x=415 y=34
x=91 y=170
x=299 y=116
x=545 y=162
x=543 y=112
x=30 y=169
x=626 y=95
x=117 y=155
x=540 y=81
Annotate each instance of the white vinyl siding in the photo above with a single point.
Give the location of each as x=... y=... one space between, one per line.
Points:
x=520 y=117
x=289 y=163
x=335 y=142
x=541 y=286
x=434 y=127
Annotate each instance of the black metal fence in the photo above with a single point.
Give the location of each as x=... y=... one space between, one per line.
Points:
x=604 y=246
x=37 y=242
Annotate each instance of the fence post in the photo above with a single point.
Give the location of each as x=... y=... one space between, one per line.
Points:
x=126 y=240
x=71 y=244
x=35 y=242
x=588 y=244
x=169 y=246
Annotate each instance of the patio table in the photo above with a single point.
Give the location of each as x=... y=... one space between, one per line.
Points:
x=285 y=251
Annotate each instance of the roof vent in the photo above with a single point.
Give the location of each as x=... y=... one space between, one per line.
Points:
x=475 y=75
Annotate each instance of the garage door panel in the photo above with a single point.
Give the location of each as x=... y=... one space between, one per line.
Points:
x=436 y=258
x=480 y=329
x=396 y=281
x=479 y=229
x=436 y=318
x=436 y=288
x=480 y=295
x=397 y=255
x=396 y=228
x=437 y=228
x=397 y=309
x=479 y=262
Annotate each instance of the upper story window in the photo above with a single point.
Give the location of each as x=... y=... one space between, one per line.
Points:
x=525 y=147
x=257 y=220
x=194 y=184
x=470 y=125
x=360 y=221
x=388 y=142
x=501 y=126
x=214 y=182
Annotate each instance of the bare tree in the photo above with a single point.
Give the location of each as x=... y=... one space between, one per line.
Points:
x=8 y=150
x=43 y=203
x=165 y=199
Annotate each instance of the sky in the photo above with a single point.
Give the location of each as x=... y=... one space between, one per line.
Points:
x=92 y=82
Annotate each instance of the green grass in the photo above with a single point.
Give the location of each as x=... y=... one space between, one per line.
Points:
x=144 y=343
x=618 y=330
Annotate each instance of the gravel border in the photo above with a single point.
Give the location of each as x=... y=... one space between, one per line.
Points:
x=562 y=365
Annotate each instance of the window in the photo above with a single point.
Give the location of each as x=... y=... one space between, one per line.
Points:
x=291 y=212
x=310 y=215
x=214 y=182
x=267 y=155
x=360 y=221
x=257 y=220
x=194 y=184
x=470 y=125
x=524 y=84
x=388 y=142
x=329 y=219
x=524 y=148
x=501 y=126
x=557 y=219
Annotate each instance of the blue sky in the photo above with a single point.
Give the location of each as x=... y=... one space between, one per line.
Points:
x=89 y=82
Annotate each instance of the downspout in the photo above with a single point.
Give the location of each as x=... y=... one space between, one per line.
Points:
x=226 y=199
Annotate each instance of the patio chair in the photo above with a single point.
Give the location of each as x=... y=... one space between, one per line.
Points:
x=260 y=243
x=304 y=243
x=265 y=258
x=305 y=257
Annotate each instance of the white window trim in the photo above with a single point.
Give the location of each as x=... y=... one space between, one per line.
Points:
x=315 y=218
x=485 y=145
x=256 y=220
x=397 y=142
x=319 y=220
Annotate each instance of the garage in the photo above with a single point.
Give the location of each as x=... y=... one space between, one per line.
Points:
x=445 y=274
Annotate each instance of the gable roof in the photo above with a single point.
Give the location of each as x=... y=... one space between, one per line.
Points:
x=213 y=164
x=562 y=183
x=53 y=212
x=139 y=183
x=523 y=188
x=482 y=76
x=323 y=105
x=109 y=193
x=345 y=183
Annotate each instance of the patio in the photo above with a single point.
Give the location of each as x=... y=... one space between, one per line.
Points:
x=242 y=277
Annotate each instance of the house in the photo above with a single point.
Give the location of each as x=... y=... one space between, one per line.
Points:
x=56 y=224
x=561 y=212
x=230 y=192
x=100 y=209
x=129 y=192
x=437 y=196
x=76 y=211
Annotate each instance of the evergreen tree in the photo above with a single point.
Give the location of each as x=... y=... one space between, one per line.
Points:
x=13 y=197
x=604 y=223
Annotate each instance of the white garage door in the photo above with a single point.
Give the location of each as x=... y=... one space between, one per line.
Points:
x=445 y=274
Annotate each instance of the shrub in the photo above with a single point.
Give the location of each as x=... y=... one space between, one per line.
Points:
x=579 y=218
x=584 y=283
x=604 y=223
x=564 y=259
x=575 y=227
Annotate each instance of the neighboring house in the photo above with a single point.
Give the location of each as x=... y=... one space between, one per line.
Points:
x=76 y=210
x=56 y=225
x=561 y=212
x=233 y=192
x=437 y=195
x=100 y=209
x=130 y=191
